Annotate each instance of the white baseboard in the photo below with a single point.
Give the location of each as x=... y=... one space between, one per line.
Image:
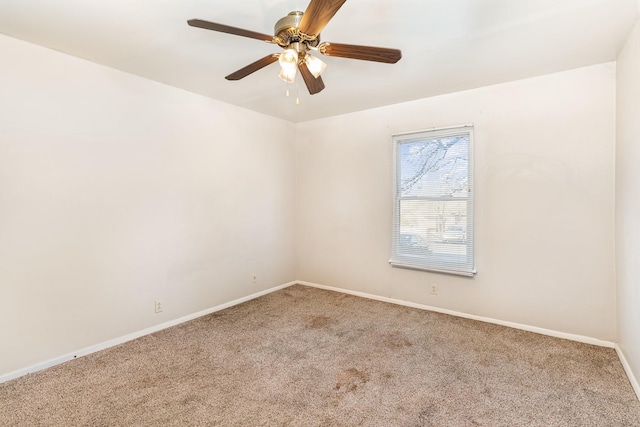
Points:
x=134 y=335
x=627 y=369
x=549 y=332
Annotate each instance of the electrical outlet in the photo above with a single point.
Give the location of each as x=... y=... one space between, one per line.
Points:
x=159 y=306
x=254 y=277
x=434 y=289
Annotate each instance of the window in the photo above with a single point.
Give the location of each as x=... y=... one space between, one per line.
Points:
x=433 y=201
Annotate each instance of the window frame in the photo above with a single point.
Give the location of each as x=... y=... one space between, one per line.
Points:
x=417 y=262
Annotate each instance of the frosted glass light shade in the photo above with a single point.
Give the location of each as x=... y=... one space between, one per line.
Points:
x=288 y=76
x=288 y=60
x=316 y=66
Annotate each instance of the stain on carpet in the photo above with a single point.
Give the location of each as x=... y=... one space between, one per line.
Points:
x=426 y=416
x=397 y=339
x=320 y=322
x=351 y=379
x=190 y=400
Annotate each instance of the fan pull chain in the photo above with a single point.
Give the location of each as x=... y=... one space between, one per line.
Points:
x=289 y=93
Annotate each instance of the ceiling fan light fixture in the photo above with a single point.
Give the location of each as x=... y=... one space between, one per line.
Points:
x=315 y=65
x=288 y=76
x=288 y=60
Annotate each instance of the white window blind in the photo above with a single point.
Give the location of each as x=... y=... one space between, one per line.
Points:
x=433 y=201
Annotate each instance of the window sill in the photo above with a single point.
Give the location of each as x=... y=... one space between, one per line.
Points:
x=397 y=264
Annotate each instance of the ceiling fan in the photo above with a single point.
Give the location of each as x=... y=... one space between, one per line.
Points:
x=298 y=34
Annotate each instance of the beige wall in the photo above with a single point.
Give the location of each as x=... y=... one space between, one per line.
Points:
x=116 y=191
x=544 y=202
x=628 y=201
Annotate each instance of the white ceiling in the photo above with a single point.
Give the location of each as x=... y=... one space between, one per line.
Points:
x=447 y=45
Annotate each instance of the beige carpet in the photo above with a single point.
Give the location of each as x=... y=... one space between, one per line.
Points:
x=307 y=357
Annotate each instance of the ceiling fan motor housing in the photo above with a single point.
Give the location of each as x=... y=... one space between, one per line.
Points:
x=286 y=29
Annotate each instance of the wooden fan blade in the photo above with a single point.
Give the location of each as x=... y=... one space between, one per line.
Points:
x=318 y=15
x=314 y=84
x=365 y=53
x=251 y=68
x=228 y=29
